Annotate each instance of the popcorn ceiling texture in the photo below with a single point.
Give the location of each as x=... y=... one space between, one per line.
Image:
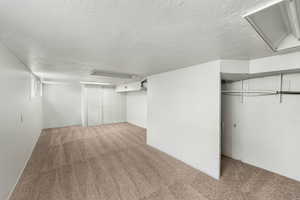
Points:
x=67 y=39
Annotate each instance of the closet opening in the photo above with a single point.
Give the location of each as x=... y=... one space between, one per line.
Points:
x=260 y=121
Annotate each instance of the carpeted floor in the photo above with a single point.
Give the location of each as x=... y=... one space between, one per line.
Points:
x=113 y=162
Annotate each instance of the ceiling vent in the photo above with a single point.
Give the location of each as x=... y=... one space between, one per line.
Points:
x=278 y=24
x=113 y=74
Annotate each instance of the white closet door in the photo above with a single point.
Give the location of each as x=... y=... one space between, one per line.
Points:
x=114 y=106
x=94 y=106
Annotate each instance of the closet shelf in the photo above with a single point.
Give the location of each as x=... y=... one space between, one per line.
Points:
x=231 y=77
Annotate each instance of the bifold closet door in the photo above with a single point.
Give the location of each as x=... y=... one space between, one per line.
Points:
x=104 y=106
x=94 y=106
x=114 y=106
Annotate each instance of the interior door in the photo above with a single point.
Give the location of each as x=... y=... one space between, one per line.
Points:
x=114 y=106
x=232 y=143
x=104 y=105
x=94 y=106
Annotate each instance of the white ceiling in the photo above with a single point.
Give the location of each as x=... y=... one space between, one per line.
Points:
x=66 y=39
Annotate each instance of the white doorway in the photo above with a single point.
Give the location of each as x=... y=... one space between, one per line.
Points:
x=102 y=105
x=94 y=106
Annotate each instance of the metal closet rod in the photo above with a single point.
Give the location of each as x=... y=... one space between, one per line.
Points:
x=248 y=93
x=289 y=92
x=261 y=92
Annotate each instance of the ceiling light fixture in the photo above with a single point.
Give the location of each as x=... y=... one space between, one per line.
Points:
x=112 y=74
x=55 y=82
x=94 y=83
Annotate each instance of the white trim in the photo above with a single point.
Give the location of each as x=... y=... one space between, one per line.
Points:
x=252 y=11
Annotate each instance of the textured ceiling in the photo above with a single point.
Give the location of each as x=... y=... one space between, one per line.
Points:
x=66 y=39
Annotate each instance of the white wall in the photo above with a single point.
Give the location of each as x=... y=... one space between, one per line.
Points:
x=279 y=62
x=184 y=115
x=234 y=66
x=61 y=105
x=17 y=137
x=137 y=108
x=267 y=131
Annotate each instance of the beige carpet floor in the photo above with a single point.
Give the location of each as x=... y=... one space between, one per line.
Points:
x=113 y=162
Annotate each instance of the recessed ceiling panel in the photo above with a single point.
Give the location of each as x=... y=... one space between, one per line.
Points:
x=277 y=24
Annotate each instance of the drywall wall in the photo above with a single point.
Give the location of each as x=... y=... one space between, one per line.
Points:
x=20 y=119
x=261 y=130
x=61 y=105
x=279 y=62
x=234 y=66
x=137 y=108
x=184 y=115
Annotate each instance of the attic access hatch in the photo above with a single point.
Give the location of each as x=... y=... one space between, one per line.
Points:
x=278 y=24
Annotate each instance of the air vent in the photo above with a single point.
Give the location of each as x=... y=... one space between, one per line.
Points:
x=278 y=24
x=113 y=74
